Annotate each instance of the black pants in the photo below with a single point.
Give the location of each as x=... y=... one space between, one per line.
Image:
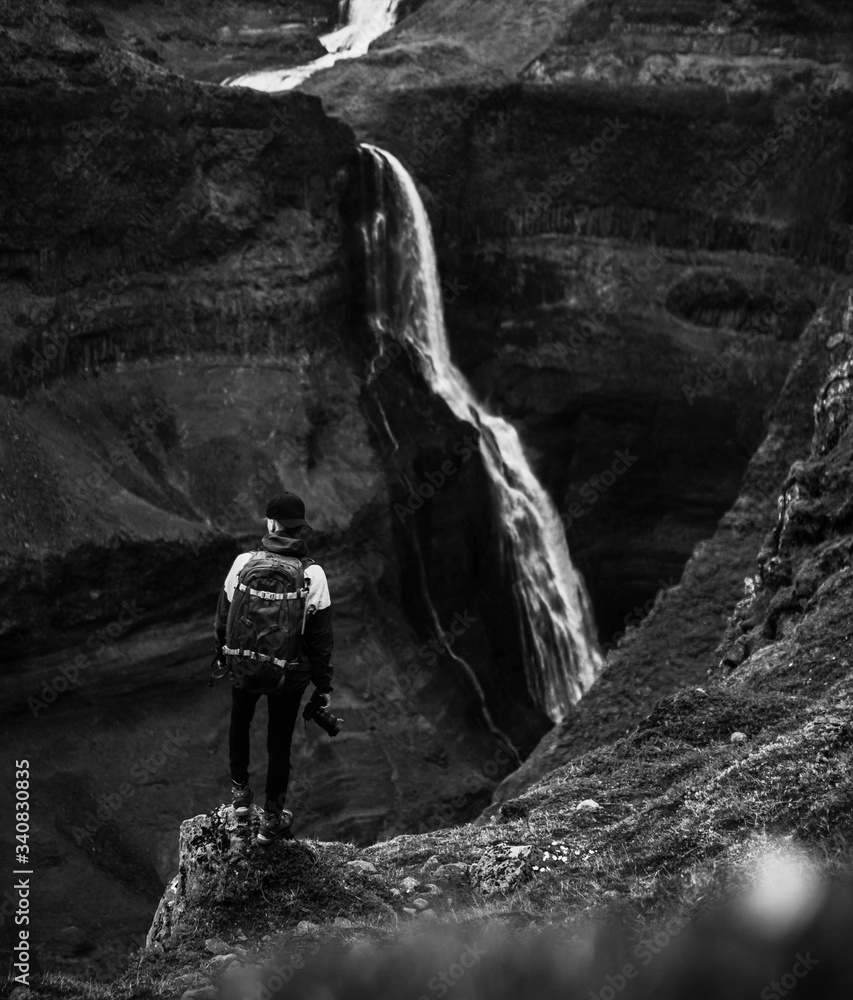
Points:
x=283 y=709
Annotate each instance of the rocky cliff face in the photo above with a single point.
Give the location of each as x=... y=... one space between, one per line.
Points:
x=678 y=644
x=634 y=227
x=631 y=240
x=174 y=300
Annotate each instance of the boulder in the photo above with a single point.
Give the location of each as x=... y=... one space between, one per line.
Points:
x=501 y=868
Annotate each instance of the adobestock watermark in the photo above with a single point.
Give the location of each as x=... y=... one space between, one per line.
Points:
x=475 y=782
x=440 y=985
x=240 y=506
x=390 y=350
x=791 y=980
x=275 y=975
x=148 y=248
x=79 y=318
x=411 y=677
x=581 y=160
x=86 y=139
x=764 y=324
x=596 y=486
x=264 y=982
x=300 y=787
x=759 y=155
x=451 y=289
x=461 y=110
x=452 y=118
x=440 y=642
x=93 y=315
x=634 y=617
x=595 y=324
x=434 y=481
x=112 y=802
x=97 y=643
x=85 y=488
x=714 y=371
x=645 y=952
x=390 y=347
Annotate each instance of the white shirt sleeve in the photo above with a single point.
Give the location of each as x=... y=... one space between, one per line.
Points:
x=230 y=584
x=318 y=589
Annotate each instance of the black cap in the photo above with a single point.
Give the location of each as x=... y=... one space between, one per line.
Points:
x=288 y=509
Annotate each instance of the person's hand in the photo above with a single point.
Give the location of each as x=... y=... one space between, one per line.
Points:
x=218 y=665
x=323 y=700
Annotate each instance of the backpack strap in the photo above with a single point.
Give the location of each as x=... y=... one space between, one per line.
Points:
x=271 y=595
x=284 y=664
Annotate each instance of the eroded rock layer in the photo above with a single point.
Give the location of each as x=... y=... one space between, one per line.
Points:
x=631 y=240
x=174 y=307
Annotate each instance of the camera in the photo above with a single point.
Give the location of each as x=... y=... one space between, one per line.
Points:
x=325 y=720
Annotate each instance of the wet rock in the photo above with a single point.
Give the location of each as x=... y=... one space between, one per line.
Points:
x=587 y=805
x=737 y=737
x=420 y=903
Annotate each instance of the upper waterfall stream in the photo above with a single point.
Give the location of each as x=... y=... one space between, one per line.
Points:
x=561 y=653
x=365 y=21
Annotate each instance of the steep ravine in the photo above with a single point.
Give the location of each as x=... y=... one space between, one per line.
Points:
x=738 y=786
x=628 y=258
x=174 y=302
x=196 y=246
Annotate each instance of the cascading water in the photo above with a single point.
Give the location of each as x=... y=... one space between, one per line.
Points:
x=365 y=21
x=561 y=653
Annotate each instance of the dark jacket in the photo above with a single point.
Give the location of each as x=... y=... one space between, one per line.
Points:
x=318 y=640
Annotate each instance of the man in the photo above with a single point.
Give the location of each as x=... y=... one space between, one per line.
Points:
x=287 y=535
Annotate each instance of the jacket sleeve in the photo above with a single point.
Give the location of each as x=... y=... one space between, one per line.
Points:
x=221 y=617
x=318 y=643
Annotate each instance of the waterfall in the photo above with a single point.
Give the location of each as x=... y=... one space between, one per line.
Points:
x=560 y=650
x=366 y=20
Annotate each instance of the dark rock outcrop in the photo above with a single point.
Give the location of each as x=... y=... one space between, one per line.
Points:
x=220 y=866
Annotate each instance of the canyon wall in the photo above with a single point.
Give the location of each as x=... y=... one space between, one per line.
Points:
x=175 y=317
x=637 y=211
x=634 y=224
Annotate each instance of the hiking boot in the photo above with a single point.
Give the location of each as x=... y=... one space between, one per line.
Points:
x=241 y=799
x=274 y=825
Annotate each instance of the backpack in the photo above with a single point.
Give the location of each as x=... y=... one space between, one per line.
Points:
x=266 y=619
